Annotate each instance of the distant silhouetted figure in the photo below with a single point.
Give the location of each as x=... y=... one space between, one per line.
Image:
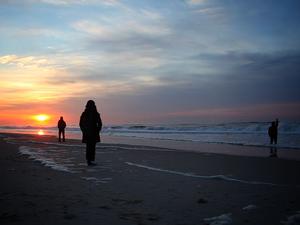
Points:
x=90 y=125
x=273 y=132
x=61 y=124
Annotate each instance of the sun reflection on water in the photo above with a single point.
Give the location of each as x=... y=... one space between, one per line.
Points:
x=40 y=132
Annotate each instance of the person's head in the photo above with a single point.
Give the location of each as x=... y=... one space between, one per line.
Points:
x=61 y=118
x=273 y=124
x=90 y=106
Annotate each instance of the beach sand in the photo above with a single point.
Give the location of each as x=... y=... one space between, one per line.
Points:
x=136 y=184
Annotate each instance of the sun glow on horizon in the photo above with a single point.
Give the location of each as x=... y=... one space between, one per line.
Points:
x=41 y=117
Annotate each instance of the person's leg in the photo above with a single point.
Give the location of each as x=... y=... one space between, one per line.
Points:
x=59 y=135
x=90 y=152
x=87 y=155
x=272 y=140
x=93 y=151
x=63 y=134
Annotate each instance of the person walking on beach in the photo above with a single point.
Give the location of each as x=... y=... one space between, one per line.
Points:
x=273 y=132
x=90 y=125
x=61 y=124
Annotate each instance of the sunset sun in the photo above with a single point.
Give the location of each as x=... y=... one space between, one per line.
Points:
x=41 y=117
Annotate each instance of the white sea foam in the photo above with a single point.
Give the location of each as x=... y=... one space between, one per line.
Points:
x=219 y=220
x=250 y=207
x=212 y=177
x=90 y=178
x=35 y=155
x=62 y=159
x=97 y=180
x=293 y=219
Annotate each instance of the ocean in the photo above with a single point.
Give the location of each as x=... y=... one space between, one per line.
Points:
x=242 y=133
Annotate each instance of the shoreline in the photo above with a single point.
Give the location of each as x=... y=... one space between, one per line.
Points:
x=189 y=146
x=209 y=148
x=287 y=140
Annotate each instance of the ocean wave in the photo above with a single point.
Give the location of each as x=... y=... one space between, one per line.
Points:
x=241 y=127
x=243 y=133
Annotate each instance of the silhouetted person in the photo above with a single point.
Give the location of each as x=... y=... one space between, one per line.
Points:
x=61 y=124
x=273 y=132
x=90 y=125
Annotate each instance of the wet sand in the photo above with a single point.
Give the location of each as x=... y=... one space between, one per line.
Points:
x=136 y=184
x=199 y=147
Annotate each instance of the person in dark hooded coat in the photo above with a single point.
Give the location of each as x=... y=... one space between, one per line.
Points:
x=90 y=125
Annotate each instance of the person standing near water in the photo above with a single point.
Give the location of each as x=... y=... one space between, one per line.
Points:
x=90 y=125
x=61 y=125
x=273 y=132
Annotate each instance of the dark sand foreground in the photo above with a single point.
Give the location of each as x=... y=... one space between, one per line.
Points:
x=153 y=186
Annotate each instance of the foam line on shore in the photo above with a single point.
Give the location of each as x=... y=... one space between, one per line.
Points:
x=97 y=180
x=24 y=150
x=212 y=177
x=292 y=220
x=219 y=220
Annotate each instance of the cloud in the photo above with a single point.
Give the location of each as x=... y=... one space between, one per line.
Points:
x=196 y=2
x=130 y=25
x=64 y=2
x=23 y=61
x=250 y=112
x=150 y=14
x=215 y=13
x=35 y=31
x=270 y=79
x=30 y=31
x=254 y=77
x=152 y=57
x=122 y=30
x=251 y=60
x=49 y=62
x=94 y=29
x=40 y=78
x=128 y=44
x=209 y=10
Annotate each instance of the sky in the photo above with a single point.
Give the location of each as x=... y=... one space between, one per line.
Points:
x=150 y=61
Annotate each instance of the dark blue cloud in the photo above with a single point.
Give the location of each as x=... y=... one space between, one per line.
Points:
x=266 y=79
